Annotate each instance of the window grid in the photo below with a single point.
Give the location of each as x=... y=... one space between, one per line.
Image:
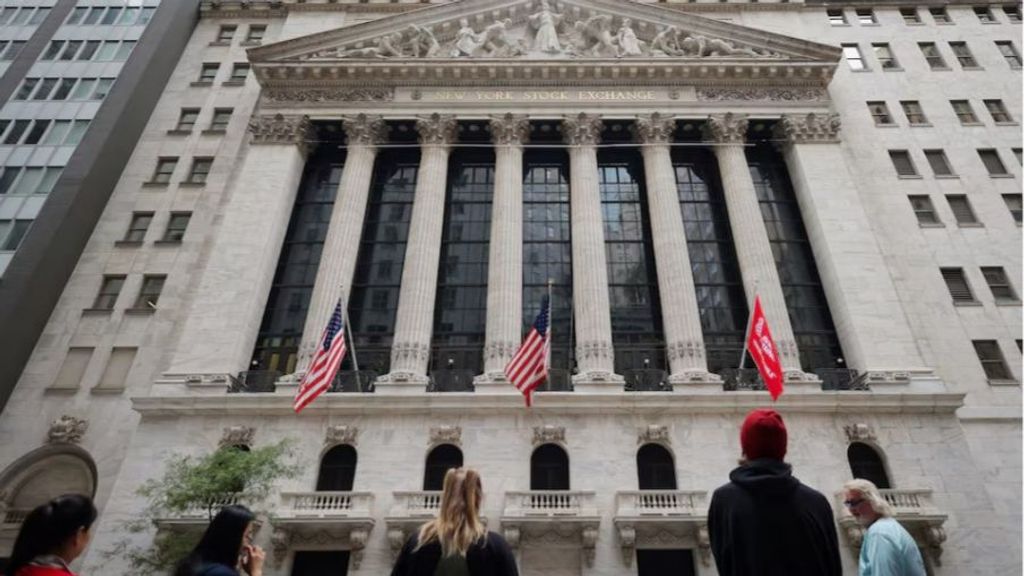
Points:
x=110 y=16
x=221 y=118
x=939 y=15
x=880 y=113
x=138 y=226
x=1012 y=12
x=938 y=162
x=998 y=111
x=956 y=283
x=964 y=112
x=110 y=289
x=885 y=57
x=12 y=232
x=1015 y=205
x=999 y=283
x=932 y=55
x=1009 y=52
x=991 y=358
x=836 y=17
x=866 y=16
x=187 y=119
x=963 y=55
x=256 y=33
x=902 y=162
x=239 y=72
x=208 y=73
x=994 y=165
x=914 y=112
x=176 y=226
x=924 y=210
x=853 y=56
x=164 y=170
x=910 y=16
x=149 y=292
x=226 y=33
x=66 y=88
x=200 y=170
x=962 y=211
x=984 y=15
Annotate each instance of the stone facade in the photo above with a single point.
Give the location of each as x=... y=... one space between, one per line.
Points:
x=949 y=438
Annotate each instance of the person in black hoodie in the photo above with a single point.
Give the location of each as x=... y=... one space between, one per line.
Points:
x=765 y=522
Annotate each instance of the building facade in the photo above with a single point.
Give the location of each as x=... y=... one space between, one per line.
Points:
x=654 y=167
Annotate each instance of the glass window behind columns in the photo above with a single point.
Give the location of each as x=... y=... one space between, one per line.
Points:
x=716 y=270
x=547 y=254
x=805 y=298
x=632 y=282
x=460 y=310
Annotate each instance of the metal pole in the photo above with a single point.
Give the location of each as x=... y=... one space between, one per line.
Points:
x=352 y=342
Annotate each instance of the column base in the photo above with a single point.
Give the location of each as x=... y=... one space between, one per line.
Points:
x=494 y=383
x=401 y=382
x=699 y=381
x=598 y=381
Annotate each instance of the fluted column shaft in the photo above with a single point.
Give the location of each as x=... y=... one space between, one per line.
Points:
x=591 y=302
x=505 y=267
x=753 y=248
x=341 y=246
x=680 y=315
x=410 y=351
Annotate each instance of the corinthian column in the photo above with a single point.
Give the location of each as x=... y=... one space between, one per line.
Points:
x=591 y=304
x=410 y=352
x=753 y=249
x=683 y=335
x=341 y=246
x=505 y=268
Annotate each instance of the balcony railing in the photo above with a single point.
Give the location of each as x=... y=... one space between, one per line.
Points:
x=254 y=381
x=841 y=379
x=200 y=513
x=907 y=503
x=416 y=504
x=13 y=518
x=647 y=380
x=352 y=381
x=326 y=505
x=746 y=379
x=550 y=503
x=451 y=380
x=559 y=380
x=660 y=503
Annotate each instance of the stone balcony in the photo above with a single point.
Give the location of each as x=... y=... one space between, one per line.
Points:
x=646 y=517
x=409 y=511
x=569 y=516
x=11 y=520
x=345 y=518
x=196 y=515
x=914 y=509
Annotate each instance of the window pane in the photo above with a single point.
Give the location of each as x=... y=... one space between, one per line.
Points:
x=70 y=49
x=76 y=133
x=57 y=132
x=26 y=88
x=957 y=284
x=991 y=358
x=84 y=89
x=107 y=51
x=89 y=50
x=102 y=88
x=45 y=87
x=124 y=50
x=37 y=131
x=17 y=233
x=50 y=177
x=901 y=161
x=17 y=130
x=111 y=16
x=924 y=210
x=937 y=160
x=992 y=162
x=73 y=368
x=962 y=210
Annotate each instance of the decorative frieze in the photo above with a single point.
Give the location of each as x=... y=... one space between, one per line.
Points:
x=365 y=130
x=547 y=434
x=414 y=352
x=727 y=128
x=692 y=349
x=437 y=129
x=753 y=93
x=510 y=129
x=496 y=350
x=341 y=434
x=446 y=434
x=237 y=436
x=860 y=432
x=809 y=129
x=654 y=128
x=331 y=95
x=67 y=430
x=281 y=129
x=653 y=433
x=594 y=350
x=582 y=129
x=280 y=542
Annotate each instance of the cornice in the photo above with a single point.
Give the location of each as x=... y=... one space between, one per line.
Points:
x=550 y=404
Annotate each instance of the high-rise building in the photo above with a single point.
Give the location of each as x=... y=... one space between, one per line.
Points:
x=437 y=167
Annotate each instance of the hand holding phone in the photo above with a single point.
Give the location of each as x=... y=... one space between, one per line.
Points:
x=252 y=560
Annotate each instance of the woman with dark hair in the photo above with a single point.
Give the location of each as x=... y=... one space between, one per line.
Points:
x=226 y=545
x=52 y=536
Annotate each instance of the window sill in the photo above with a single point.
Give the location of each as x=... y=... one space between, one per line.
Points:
x=987 y=23
x=220 y=43
x=860 y=70
x=202 y=83
x=1000 y=175
x=938 y=23
x=890 y=125
x=139 y=311
x=1010 y=123
x=931 y=225
x=128 y=243
x=920 y=125
x=947 y=177
x=892 y=69
x=252 y=43
x=213 y=132
x=106 y=391
x=233 y=83
x=972 y=123
x=151 y=184
x=187 y=184
x=177 y=132
x=941 y=68
x=970 y=225
x=913 y=23
x=868 y=24
x=965 y=304
x=96 y=311
x=1000 y=382
x=1007 y=302
x=167 y=242
x=60 y=389
x=972 y=68
x=908 y=176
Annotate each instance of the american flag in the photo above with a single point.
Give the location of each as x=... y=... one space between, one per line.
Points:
x=529 y=367
x=325 y=362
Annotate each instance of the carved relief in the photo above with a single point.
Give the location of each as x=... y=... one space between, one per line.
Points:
x=446 y=434
x=437 y=129
x=237 y=436
x=682 y=349
x=328 y=95
x=67 y=429
x=627 y=538
x=414 y=352
x=589 y=541
x=500 y=350
x=771 y=94
x=653 y=129
x=698 y=46
x=809 y=129
x=365 y=130
x=704 y=544
x=593 y=349
x=512 y=536
x=280 y=541
x=510 y=129
x=582 y=129
x=546 y=24
x=727 y=128
x=340 y=434
x=859 y=432
x=357 y=544
x=547 y=434
x=653 y=433
x=280 y=129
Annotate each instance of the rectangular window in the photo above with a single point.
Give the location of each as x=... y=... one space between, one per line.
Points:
x=256 y=33
x=1012 y=12
x=52 y=50
x=187 y=119
x=116 y=372
x=915 y=114
x=1009 y=52
x=107 y=51
x=138 y=226
x=83 y=89
x=109 y=291
x=963 y=55
x=994 y=165
x=71 y=48
x=26 y=89
x=221 y=118
x=37 y=131
x=15 y=235
x=939 y=15
x=63 y=89
x=924 y=210
x=910 y=16
x=998 y=111
x=17 y=130
x=149 y=293
x=964 y=112
x=22 y=17
x=164 y=170
x=124 y=50
x=984 y=15
x=851 y=52
x=10 y=174
x=12 y=50
x=102 y=88
x=957 y=284
x=111 y=16
x=73 y=368
x=31 y=176
x=6 y=14
x=200 y=170
x=45 y=87
x=176 y=226
x=885 y=57
x=208 y=72
x=239 y=72
x=226 y=33
x=880 y=113
x=1015 y=205
x=146 y=15
x=57 y=133
x=89 y=50
x=93 y=16
x=939 y=163
x=902 y=162
x=866 y=16
x=836 y=17
x=50 y=177
x=78 y=128
x=932 y=55
x=999 y=284
x=76 y=15
x=962 y=211
x=991 y=358
x=129 y=16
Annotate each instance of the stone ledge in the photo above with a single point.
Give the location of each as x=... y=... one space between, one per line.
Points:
x=990 y=414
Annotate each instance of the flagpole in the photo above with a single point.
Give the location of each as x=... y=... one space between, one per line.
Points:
x=352 y=342
x=746 y=335
x=551 y=327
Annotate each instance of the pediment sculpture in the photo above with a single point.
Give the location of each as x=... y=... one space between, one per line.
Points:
x=543 y=32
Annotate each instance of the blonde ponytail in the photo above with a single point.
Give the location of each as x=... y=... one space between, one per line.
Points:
x=457 y=525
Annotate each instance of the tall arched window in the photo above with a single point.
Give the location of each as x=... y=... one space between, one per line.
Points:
x=440 y=459
x=866 y=463
x=549 y=468
x=337 y=469
x=655 y=467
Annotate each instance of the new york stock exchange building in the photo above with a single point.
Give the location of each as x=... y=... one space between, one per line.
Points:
x=437 y=166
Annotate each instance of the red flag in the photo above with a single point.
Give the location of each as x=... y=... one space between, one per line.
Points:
x=762 y=349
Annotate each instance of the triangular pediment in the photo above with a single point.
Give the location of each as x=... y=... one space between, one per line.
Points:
x=546 y=35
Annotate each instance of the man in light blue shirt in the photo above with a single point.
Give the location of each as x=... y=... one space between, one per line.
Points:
x=888 y=549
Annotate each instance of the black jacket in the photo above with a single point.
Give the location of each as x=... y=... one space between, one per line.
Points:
x=491 y=556
x=764 y=522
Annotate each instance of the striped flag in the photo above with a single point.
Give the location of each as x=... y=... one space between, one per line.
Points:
x=325 y=362
x=529 y=367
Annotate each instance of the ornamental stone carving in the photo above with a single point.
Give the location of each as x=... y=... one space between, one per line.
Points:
x=510 y=129
x=411 y=351
x=67 y=430
x=727 y=128
x=512 y=536
x=328 y=95
x=281 y=129
x=365 y=130
x=627 y=538
x=237 y=436
x=280 y=541
x=654 y=129
x=357 y=545
x=653 y=433
x=685 y=349
x=859 y=432
x=500 y=349
x=704 y=544
x=396 y=539
x=547 y=434
x=437 y=129
x=593 y=349
x=582 y=129
x=934 y=536
x=746 y=94
x=810 y=129
x=589 y=542
x=446 y=434
x=341 y=434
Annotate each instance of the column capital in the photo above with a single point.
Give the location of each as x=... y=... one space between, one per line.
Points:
x=437 y=129
x=582 y=129
x=510 y=129
x=281 y=129
x=727 y=128
x=364 y=130
x=813 y=128
x=654 y=129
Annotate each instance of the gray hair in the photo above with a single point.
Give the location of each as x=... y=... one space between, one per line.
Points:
x=869 y=491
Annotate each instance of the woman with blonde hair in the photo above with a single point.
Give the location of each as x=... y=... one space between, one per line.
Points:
x=456 y=543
